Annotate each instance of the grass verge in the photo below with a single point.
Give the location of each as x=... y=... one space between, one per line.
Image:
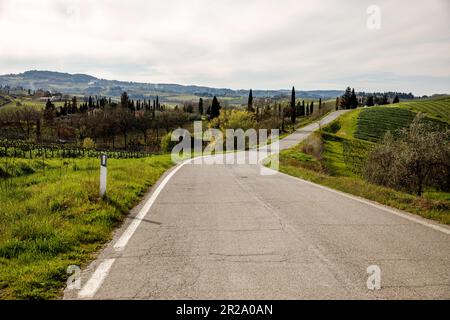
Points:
x=50 y=220
x=296 y=163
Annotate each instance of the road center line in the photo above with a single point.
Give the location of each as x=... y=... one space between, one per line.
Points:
x=123 y=240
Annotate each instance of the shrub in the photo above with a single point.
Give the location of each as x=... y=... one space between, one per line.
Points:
x=88 y=143
x=234 y=119
x=333 y=127
x=313 y=146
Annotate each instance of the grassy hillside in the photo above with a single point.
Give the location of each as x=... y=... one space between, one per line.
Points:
x=335 y=158
x=431 y=205
x=438 y=108
x=50 y=220
x=28 y=101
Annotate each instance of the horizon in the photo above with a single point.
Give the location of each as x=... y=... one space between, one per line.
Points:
x=324 y=44
x=169 y=83
x=229 y=88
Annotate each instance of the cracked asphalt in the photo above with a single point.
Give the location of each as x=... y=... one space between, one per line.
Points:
x=228 y=232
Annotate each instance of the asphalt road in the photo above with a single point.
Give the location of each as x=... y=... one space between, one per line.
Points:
x=228 y=232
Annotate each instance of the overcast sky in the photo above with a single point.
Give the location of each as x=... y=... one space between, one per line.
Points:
x=314 y=44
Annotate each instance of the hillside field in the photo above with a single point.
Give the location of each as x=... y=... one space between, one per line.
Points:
x=438 y=108
x=344 y=145
x=374 y=122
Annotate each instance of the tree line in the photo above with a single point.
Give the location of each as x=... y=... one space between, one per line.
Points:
x=352 y=100
x=137 y=124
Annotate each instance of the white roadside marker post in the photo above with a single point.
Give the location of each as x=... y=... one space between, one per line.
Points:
x=103 y=174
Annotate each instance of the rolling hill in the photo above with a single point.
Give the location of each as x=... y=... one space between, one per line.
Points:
x=83 y=84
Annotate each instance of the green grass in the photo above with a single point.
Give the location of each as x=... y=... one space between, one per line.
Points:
x=431 y=206
x=14 y=167
x=346 y=143
x=53 y=220
x=438 y=108
x=28 y=102
x=348 y=123
x=374 y=122
x=294 y=156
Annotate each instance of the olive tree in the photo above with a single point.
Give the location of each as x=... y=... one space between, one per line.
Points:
x=419 y=157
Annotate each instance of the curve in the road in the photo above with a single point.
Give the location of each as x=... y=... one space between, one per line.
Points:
x=225 y=231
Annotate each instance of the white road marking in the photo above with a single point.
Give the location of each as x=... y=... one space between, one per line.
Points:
x=378 y=206
x=96 y=279
x=102 y=270
x=123 y=240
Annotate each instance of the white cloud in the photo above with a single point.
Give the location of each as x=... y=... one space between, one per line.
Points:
x=238 y=44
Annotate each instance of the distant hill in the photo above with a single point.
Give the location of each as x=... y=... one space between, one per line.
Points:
x=83 y=84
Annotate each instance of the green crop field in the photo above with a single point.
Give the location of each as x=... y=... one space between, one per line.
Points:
x=53 y=218
x=374 y=122
x=29 y=102
x=438 y=108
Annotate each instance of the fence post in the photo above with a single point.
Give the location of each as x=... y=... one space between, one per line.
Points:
x=103 y=174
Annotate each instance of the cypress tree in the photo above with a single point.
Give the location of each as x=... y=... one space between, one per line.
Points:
x=293 y=113
x=353 y=100
x=250 y=102
x=124 y=100
x=298 y=108
x=346 y=99
x=215 y=108
x=200 y=106
x=74 y=104
x=396 y=99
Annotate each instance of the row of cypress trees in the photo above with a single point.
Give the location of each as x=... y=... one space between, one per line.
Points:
x=296 y=109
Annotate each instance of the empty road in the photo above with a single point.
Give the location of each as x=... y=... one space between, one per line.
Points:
x=228 y=232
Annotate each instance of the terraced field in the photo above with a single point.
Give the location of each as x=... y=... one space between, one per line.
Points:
x=438 y=108
x=374 y=122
